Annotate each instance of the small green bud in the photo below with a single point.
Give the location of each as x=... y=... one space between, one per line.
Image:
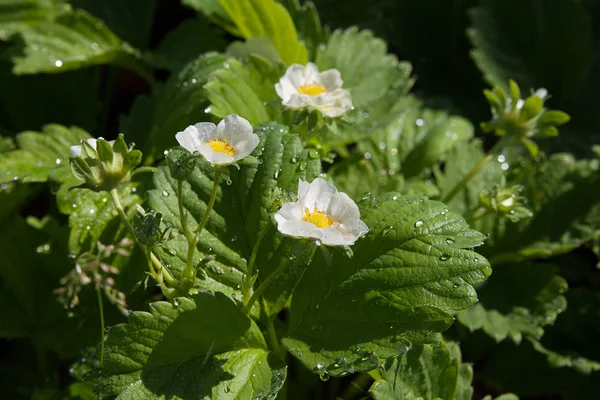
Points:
x=104 y=165
x=182 y=167
x=522 y=118
x=505 y=201
x=147 y=228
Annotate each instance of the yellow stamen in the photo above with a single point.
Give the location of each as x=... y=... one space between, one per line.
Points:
x=312 y=89
x=318 y=218
x=221 y=146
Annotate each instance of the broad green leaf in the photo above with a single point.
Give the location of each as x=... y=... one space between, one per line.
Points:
x=132 y=22
x=39 y=154
x=240 y=212
x=92 y=215
x=185 y=43
x=202 y=348
x=308 y=25
x=464 y=390
x=29 y=274
x=214 y=11
x=268 y=18
x=13 y=196
x=368 y=71
x=18 y=15
x=74 y=40
x=28 y=102
x=538 y=44
x=244 y=89
x=260 y=46
x=535 y=301
x=155 y=119
x=426 y=372
x=406 y=276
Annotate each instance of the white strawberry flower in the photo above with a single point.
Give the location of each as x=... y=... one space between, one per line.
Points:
x=226 y=143
x=76 y=150
x=306 y=87
x=321 y=213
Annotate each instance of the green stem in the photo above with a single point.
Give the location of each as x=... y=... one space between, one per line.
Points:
x=461 y=185
x=117 y=202
x=101 y=310
x=247 y=284
x=182 y=217
x=263 y=286
x=189 y=271
x=273 y=336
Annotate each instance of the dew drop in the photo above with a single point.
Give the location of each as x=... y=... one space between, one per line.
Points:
x=419 y=223
x=320 y=366
x=228 y=182
x=324 y=376
x=318 y=242
x=367 y=156
x=386 y=231
x=58 y=161
x=294 y=160
x=58 y=63
x=226 y=389
x=94 y=46
x=444 y=257
x=165 y=193
x=449 y=240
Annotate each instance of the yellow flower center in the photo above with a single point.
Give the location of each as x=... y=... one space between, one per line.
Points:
x=221 y=146
x=318 y=218
x=312 y=89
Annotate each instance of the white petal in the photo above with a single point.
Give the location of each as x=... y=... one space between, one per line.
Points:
x=244 y=148
x=289 y=211
x=298 y=228
x=319 y=192
x=311 y=73
x=333 y=237
x=303 y=187
x=336 y=104
x=285 y=89
x=342 y=208
x=331 y=79
x=298 y=101
x=193 y=136
x=75 y=151
x=234 y=128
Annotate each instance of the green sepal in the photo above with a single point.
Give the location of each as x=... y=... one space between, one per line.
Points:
x=105 y=152
x=80 y=169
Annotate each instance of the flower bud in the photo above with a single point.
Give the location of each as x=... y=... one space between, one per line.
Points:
x=147 y=228
x=181 y=167
x=104 y=165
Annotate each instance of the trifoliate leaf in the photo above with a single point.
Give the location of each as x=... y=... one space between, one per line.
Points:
x=240 y=213
x=406 y=275
x=268 y=18
x=18 y=15
x=74 y=40
x=203 y=348
x=426 y=372
x=154 y=120
x=185 y=42
x=535 y=302
x=39 y=154
x=244 y=89
x=526 y=41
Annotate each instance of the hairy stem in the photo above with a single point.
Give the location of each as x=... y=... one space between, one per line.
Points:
x=101 y=310
x=263 y=286
x=464 y=181
x=155 y=261
x=247 y=284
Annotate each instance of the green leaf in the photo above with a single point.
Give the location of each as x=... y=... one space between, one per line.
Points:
x=368 y=71
x=130 y=22
x=464 y=390
x=308 y=25
x=243 y=89
x=13 y=196
x=260 y=46
x=185 y=42
x=535 y=301
x=425 y=372
x=268 y=18
x=18 y=15
x=40 y=154
x=73 y=41
x=154 y=120
x=92 y=215
x=214 y=11
x=202 y=347
x=538 y=44
x=406 y=276
x=240 y=212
